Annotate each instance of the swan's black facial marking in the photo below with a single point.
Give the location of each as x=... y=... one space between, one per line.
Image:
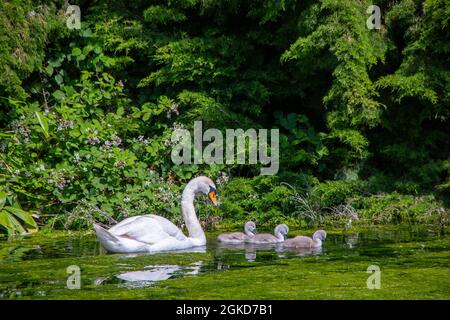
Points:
x=212 y=189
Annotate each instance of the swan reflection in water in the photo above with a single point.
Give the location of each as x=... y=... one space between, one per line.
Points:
x=153 y=273
x=156 y=273
x=200 y=249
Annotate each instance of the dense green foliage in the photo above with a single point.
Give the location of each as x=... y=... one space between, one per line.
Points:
x=87 y=115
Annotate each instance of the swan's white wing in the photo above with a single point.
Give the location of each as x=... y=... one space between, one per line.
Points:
x=169 y=227
x=141 y=228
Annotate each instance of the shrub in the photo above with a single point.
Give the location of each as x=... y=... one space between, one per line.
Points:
x=396 y=208
x=333 y=193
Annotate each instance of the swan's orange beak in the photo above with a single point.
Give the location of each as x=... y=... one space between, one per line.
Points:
x=212 y=196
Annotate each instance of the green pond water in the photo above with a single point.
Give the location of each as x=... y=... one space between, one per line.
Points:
x=414 y=263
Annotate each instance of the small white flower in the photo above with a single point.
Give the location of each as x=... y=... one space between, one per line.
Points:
x=92 y=140
x=119 y=164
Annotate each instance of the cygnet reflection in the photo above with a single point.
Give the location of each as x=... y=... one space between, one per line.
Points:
x=301 y=252
x=250 y=249
x=351 y=240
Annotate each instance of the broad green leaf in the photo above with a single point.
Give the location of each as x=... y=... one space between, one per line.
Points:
x=10 y=223
x=49 y=70
x=25 y=216
x=76 y=52
x=58 y=79
x=43 y=122
x=55 y=63
x=87 y=49
x=59 y=95
x=81 y=57
x=86 y=33
x=2 y=199
x=146 y=116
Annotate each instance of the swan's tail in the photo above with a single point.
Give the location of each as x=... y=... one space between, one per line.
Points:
x=106 y=238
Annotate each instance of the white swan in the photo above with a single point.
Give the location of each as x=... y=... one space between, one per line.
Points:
x=307 y=242
x=238 y=237
x=280 y=231
x=151 y=233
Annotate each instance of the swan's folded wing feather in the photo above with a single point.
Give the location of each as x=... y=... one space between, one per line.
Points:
x=143 y=228
x=303 y=241
x=236 y=236
x=123 y=225
x=169 y=227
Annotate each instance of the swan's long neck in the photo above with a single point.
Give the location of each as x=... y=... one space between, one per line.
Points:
x=190 y=218
x=248 y=232
x=279 y=235
x=317 y=242
x=317 y=237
